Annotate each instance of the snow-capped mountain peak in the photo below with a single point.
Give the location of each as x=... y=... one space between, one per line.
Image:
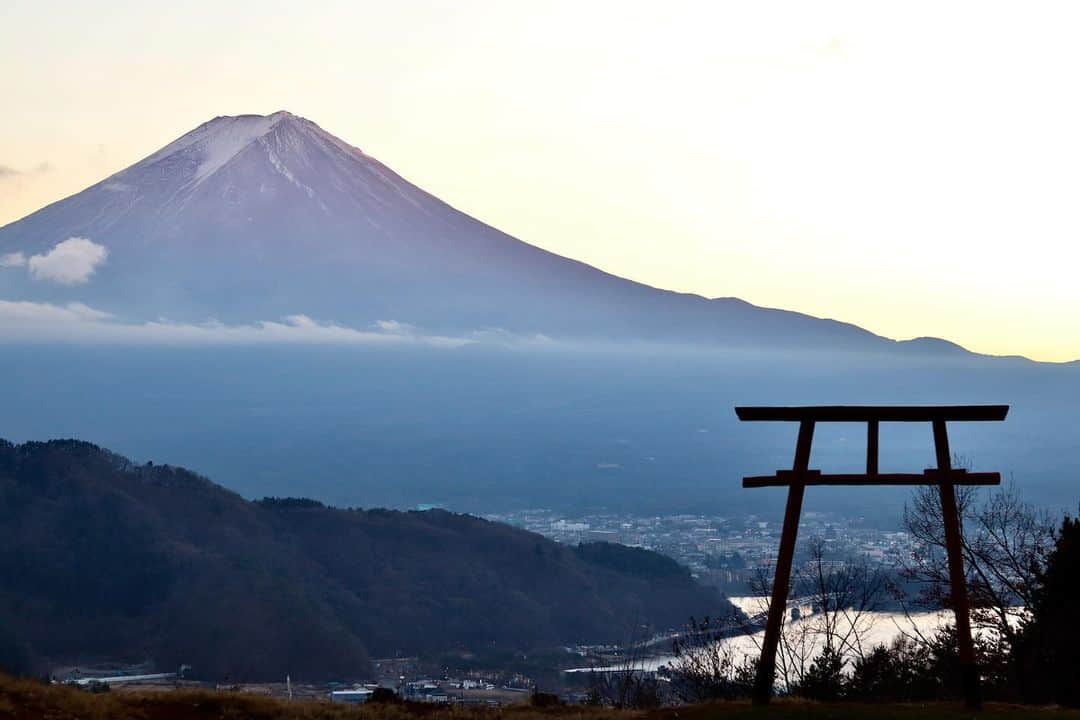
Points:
x=251 y=217
x=213 y=144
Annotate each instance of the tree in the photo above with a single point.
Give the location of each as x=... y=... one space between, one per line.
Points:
x=842 y=595
x=1004 y=543
x=824 y=680
x=1047 y=654
x=901 y=671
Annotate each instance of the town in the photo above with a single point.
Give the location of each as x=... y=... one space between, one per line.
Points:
x=724 y=552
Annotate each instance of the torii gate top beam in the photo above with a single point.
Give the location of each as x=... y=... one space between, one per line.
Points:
x=875 y=413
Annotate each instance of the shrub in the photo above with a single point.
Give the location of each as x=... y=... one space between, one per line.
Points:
x=899 y=672
x=545 y=700
x=825 y=678
x=383 y=695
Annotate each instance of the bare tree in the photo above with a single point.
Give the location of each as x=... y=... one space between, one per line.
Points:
x=841 y=595
x=706 y=666
x=1005 y=543
x=844 y=595
x=628 y=684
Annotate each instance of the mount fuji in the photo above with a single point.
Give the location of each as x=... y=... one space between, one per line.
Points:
x=253 y=218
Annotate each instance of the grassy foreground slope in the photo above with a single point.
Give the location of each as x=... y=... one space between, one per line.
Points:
x=29 y=699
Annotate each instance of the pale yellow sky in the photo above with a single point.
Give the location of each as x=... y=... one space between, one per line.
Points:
x=909 y=167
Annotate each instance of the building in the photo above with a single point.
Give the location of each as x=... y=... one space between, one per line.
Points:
x=355 y=695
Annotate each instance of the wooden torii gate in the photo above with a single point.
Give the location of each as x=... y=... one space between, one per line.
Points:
x=800 y=476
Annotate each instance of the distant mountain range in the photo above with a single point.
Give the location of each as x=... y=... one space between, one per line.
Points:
x=255 y=218
x=104 y=559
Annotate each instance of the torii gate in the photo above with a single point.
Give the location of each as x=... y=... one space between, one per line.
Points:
x=944 y=476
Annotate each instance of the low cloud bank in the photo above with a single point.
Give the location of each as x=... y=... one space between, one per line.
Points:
x=22 y=321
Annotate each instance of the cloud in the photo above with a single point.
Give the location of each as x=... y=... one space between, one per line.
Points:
x=85 y=312
x=395 y=327
x=300 y=321
x=71 y=262
x=499 y=335
x=6 y=171
x=77 y=322
x=15 y=259
x=24 y=320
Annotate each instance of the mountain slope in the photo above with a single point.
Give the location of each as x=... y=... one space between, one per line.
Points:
x=105 y=559
x=258 y=217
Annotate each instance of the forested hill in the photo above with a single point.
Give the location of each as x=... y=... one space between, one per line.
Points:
x=103 y=558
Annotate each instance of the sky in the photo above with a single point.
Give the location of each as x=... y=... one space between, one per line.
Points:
x=910 y=167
